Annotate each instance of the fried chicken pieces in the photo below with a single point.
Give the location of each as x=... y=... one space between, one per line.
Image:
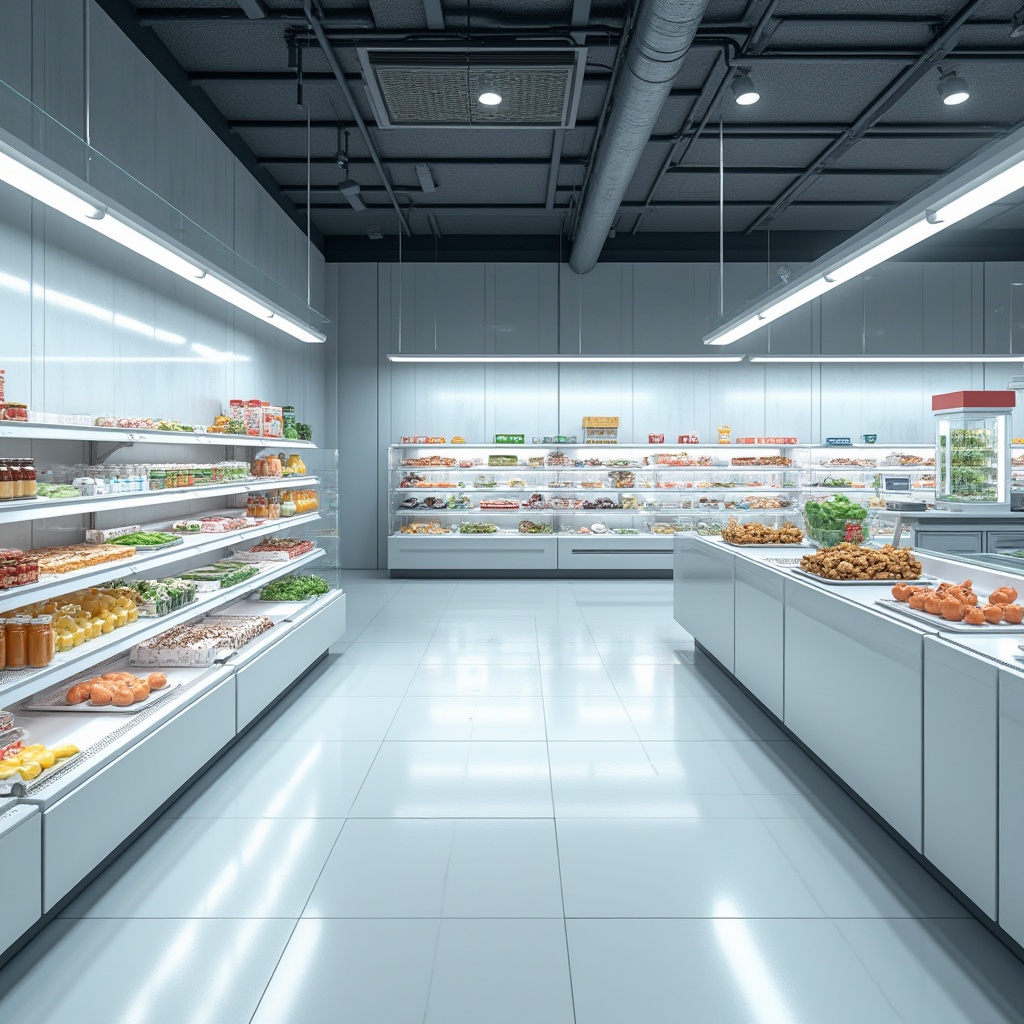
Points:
x=853 y=562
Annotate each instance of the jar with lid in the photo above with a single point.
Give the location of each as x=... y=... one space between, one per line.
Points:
x=288 y=508
x=274 y=467
x=17 y=478
x=28 y=470
x=6 y=482
x=273 y=507
x=41 y=641
x=17 y=641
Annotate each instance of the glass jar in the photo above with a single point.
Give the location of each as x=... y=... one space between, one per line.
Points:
x=288 y=508
x=28 y=469
x=6 y=482
x=16 y=631
x=41 y=641
x=259 y=467
x=273 y=507
x=17 y=478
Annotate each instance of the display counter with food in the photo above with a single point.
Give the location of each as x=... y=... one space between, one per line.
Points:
x=902 y=672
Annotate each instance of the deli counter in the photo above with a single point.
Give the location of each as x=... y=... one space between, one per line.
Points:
x=921 y=718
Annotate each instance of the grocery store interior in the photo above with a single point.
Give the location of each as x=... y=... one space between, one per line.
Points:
x=512 y=511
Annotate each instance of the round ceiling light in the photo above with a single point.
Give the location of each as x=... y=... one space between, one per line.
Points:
x=743 y=89
x=953 y=89
x=489 y=98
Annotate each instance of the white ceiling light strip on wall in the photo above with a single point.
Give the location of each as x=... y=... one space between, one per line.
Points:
x=887 y=359
x=41 y=181
x=402 y=358
x=994 y=173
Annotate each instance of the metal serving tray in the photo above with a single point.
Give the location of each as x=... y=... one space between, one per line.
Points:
x=763 y=547
x=864 y=583
x=944 y=625
x=55 y=699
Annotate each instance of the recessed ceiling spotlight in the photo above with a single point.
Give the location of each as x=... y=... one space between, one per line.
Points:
x=953 y=88
x=743 y=89
x=489 y=98
x=1017 y=24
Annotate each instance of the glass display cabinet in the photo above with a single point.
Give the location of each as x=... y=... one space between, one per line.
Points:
x=972 y=443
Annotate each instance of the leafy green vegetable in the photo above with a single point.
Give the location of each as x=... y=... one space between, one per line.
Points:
x=294 y=588
x=142 y=539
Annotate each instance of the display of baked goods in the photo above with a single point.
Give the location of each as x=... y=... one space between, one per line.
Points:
x=17 y=569
x=56 y=561
x=853 y=562
x=198 y=643
x=499 y=505
x=120 y=689
x=957 y=602
x=30 y=762
x=736 y=532
x=762 y=460
x=438 y=461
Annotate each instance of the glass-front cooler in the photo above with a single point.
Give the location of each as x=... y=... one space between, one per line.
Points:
x=972 y=442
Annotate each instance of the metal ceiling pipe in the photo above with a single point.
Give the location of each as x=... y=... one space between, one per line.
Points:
x=663 y=33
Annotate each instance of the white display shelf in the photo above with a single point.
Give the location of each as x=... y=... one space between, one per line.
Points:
x=625 y=446
x=51 y=508
x=146 y=562
x=16 y=684
x=32 y=431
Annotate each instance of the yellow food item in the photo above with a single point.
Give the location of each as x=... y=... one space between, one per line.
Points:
x=46 y=758
x=12 y=761
x=33 y=747
x=64 y=750
x=6 y=772
x=30 y=770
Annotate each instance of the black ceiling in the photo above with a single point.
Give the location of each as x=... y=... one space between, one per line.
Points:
x=849 y=123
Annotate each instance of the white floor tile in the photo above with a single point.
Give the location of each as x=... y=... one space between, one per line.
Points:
x=940 y=972
x=681 y=867
x=198 y=867
x=270 y=778
x=711 y=718
x=457 y=780
x=566 y=653
x=76 y=970
x=505 y=653
x=399 y=653
x=359 y=971
x=338 y=678
x=643 y=653
x=475 y=680
x=501 y=972
x=576 y=681
x=659 y=681
x=311 y=718
x=720 y=972
x=468 y=718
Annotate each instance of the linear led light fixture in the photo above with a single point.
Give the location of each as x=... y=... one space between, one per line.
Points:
x=395 y=357
x=887 y=359
x=43 y=181
x=990 y=175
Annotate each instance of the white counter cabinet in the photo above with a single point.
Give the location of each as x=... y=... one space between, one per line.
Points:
x=706 y=605
x=961 y=693
x=21 y=847
x=1011 y=803
x=761 y=609
x=853 y=695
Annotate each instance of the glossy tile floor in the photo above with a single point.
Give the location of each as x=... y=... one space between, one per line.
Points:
x=515 y=802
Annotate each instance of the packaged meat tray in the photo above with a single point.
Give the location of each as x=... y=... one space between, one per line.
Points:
x=276 y=549
x=200 y=643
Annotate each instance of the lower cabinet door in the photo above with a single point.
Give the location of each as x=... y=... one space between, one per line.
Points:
x=960 y=772
x=853 y=695
x=261 y=679
x=1011 y=803
x=704 y=596
x=761 y=610
x=89 y=823
x=21 y=851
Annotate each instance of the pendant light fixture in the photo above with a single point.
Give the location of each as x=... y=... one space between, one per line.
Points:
x=953 y=88
x=743 y=89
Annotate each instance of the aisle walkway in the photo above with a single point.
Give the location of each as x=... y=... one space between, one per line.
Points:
x=514 y=803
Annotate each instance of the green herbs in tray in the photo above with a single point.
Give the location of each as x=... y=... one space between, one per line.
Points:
x=477 y=528
x=221 y=574
x=294 y=588
x=144 y=539
x=160 y=597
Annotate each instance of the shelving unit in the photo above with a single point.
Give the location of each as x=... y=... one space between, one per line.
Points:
x=130 y=764
x=662 y=499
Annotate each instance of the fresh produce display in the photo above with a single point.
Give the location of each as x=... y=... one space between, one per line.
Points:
x=198 y=643
x=119 y=689
x=154 y=598
x=56 y=561
x=852 y=562
x=175 y=426
x=736 y=532
x=528 y=526
x=502 y=460
x=957 y=602
x=56 y=491
x=294 y=588
x=220 y=575
x=835 y=521
x=305 y=431
x=142 y=539
x=31 y=761
x=477 y=528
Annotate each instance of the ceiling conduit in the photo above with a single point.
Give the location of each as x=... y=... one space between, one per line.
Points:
x=664 y=31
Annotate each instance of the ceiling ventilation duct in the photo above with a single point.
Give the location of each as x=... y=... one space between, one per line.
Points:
x=663 y=33
x=440 y=87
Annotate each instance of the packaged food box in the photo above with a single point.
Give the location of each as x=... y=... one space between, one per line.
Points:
x=102 y=536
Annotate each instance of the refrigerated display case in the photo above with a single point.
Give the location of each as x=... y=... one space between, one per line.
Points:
x=972 y=442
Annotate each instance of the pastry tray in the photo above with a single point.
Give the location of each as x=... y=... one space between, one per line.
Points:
x=763 y=547
x=944 y=625
x=864 y=583
x=55 y=701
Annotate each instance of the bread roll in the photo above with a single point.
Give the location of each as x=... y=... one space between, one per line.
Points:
x=140 y=691
x=79 y=693
x=156 y=680
x=100 y=695
x=123 y=697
